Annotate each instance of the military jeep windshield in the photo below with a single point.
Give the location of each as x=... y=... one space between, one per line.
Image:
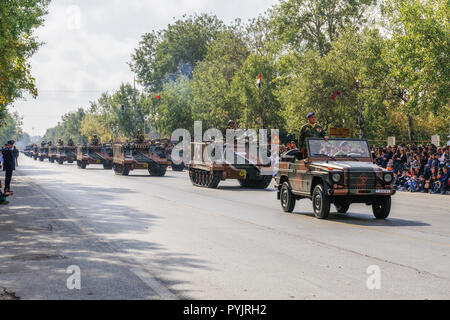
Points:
x=341 y=148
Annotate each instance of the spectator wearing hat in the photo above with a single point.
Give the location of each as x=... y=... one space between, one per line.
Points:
x=311 y=129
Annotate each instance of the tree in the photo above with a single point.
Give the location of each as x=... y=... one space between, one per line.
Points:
x=418 y=56
x=343 y=87
x=315 y=24
x=213 y=101
x=10 y=128
x=174 y=51
x=259 y=104
x=18 y=21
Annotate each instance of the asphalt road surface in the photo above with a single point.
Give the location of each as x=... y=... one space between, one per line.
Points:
x=142 y=237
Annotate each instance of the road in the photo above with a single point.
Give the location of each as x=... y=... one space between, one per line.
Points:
x=142 y=237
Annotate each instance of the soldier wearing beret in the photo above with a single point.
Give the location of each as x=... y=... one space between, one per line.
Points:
x=310 y=130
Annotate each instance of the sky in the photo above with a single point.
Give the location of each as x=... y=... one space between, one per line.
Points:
x=87 y=45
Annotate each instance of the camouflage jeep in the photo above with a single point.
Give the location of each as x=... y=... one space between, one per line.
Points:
x=337 y=171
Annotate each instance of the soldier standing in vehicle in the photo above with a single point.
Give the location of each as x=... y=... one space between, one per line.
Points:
x=70 y=142
x=310 y=130
x=60 y=142
x=95 y=140
x=140 y=137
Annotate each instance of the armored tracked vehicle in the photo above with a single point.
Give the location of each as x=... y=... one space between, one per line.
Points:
x=204 y=171
x=168 y=146
x=133 y=156
x=28 y=150
x=43 y=152
x=51 y=153
x=66 y=153
x=95 y=154
x=35 y=152
x=334 y=171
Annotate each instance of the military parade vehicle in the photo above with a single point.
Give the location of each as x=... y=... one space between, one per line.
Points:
x=95 y=154
x=334 y=171
x=35 y=152
x=42 y=151
x=51 y=152
x=66 y=153
x=28 y=151
x=204 y=171
x=168 y=146
x=133 y=156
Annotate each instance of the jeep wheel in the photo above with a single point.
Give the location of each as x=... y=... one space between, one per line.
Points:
x=321 y=203
x=287 y=198
x=342 y=207
x=381 y=208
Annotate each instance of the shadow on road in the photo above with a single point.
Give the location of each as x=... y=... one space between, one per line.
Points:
x=367 y=220
x=40 y=238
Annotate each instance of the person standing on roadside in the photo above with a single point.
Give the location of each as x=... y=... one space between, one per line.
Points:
x=9 y=164
x=16 y=155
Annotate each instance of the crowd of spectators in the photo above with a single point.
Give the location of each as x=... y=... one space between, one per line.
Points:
x=416 y=168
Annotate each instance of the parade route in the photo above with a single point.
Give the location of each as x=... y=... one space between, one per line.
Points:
x=142 y=237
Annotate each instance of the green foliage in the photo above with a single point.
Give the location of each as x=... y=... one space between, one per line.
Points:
x=315 y=24
x=18 y=20
x=69 y=127
x=313 y=55
x=10 y=128
x=164 y=55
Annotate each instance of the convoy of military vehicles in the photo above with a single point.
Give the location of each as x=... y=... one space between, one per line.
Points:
x=331 y=171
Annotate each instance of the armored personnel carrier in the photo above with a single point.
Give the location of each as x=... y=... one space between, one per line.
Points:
x=133 y=156
x=35 y=152
x=95 y=154
x=42 y=152
x=334 y=171
x=66 y=153
x=204 y=171
x=28 y=150
x=168 y=147
x=51 y=153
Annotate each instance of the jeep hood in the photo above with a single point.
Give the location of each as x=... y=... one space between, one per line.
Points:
x=341 y=165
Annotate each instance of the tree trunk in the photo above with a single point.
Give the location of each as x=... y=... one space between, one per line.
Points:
x=360 y=120
x=410 y=129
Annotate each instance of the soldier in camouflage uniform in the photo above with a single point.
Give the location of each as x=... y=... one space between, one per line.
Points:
x=95 y=141
x=60 y=142
x=310 y=130
x=70 y=142
x=140 y=137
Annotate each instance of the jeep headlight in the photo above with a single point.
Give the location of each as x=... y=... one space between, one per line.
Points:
x=336 y=177
x=388 y=178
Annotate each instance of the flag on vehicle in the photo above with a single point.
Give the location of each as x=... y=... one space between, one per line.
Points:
x=259 y=81
x=158 y=97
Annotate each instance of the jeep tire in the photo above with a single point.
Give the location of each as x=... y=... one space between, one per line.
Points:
x=321 y=203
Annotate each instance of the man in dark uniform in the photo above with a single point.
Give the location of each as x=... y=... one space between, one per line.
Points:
x=60 y=143
x=310 y=130
x=9 y=164
x=140 y=137
x=70 y=142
